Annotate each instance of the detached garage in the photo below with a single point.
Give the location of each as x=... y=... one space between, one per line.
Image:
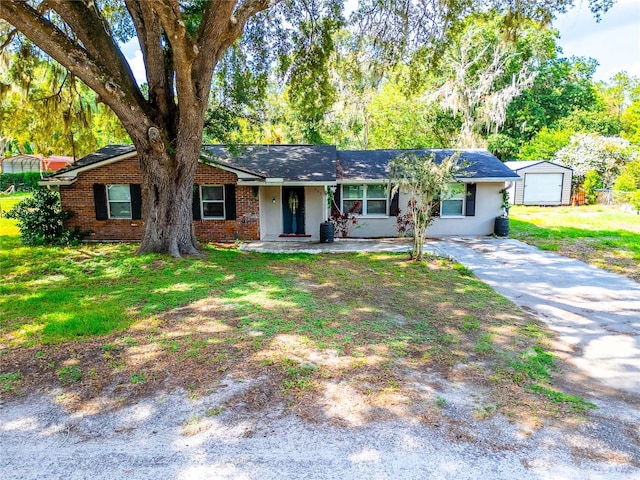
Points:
x=544 y=183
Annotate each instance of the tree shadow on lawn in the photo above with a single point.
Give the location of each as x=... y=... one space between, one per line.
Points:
x=386 y=332
x=345 y=339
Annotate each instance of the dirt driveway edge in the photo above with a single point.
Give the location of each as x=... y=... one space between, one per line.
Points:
x=173 y=436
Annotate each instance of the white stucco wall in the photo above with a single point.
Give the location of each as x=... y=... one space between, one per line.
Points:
x=271 y=213
x=488 y=207
x=314 y=214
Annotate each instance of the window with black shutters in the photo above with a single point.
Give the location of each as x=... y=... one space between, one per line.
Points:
x=212 y=200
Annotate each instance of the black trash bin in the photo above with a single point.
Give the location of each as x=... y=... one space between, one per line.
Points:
x=327 y=232
x=502 y=226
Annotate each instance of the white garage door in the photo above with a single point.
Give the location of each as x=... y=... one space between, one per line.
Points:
x=542 y=187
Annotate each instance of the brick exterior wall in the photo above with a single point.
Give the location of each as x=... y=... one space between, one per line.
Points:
x=78 y=198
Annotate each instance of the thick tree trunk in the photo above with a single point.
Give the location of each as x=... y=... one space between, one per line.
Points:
x=167 y=193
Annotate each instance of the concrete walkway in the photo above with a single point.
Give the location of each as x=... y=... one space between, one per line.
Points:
x=595 y=313
x=338 y=246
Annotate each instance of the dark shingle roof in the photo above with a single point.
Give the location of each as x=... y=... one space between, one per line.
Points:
x=314 y=163
x=105 y=153
x=374 y=164
x=304 y=163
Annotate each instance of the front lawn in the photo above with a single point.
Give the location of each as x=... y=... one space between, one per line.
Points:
x=342 y=336
x=7 y=202
x=602 y=236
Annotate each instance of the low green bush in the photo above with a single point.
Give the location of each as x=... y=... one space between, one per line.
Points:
x=40 y=219
x=592 y=182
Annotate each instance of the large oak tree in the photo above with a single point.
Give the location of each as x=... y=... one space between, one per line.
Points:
x=182 y=42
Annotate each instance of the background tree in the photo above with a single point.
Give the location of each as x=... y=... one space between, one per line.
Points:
x=46 y=110
x=590 y=152
x=545 y=144
x=182 y=42
x=629 y=181
x=399 y=119
x=561 y=86
x=484 y=73
x=630 y=118
x=425 y=182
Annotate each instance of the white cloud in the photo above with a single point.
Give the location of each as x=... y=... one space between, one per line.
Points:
x=132 y=53
x=614 y=42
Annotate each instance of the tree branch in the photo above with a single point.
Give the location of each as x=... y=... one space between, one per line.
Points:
x=221 y=26
x=10 y=37
x=122 y=99
x=157 y=61
x=87 y=23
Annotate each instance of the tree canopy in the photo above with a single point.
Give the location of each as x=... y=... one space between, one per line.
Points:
x=183 y=43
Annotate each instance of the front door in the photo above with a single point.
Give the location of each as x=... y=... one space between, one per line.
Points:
x=293 y=210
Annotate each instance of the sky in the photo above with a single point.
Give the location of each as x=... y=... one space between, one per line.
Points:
x=614 y=42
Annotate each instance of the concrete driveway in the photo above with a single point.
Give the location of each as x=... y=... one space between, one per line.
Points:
x=595 y=313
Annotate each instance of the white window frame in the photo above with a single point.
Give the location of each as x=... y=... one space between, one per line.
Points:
x=109 y=202
x=460 y=197
x=364 y=199
x=203 y=201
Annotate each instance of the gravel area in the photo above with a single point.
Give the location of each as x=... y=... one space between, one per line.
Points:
x=174 y=436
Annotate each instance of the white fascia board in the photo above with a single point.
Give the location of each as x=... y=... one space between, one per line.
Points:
x=57 y=181
x=362 y=182
x=108 y=161
x=489 y=179
x=267 y=183
x=459 y=179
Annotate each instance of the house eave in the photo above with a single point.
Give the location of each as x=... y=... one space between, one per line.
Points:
x=56 y=182
x=362 y=181
x=370 y=181
x=489 y=179
x=107 y=161
x=284 y=183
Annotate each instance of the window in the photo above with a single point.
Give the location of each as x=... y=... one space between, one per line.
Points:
x=212 y=198
x=365 y=199
x=376 y=199
x=454 y=205
x=119 y=201
x=353 y=196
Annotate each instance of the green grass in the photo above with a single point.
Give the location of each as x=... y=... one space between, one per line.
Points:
x=575 y=402
x=51 y=295
x=87 y=316
x=7 y=202
x=536 y=363
x=8 y=380
x=69 y=374
x=603 y=236
x=9 y=228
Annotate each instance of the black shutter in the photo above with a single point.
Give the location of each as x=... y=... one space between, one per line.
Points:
x=136 y=201
x=393 y=207
x=100 y=201
x=335 y=208
x=230 y=202
x=197 y=213
x=470 y=209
